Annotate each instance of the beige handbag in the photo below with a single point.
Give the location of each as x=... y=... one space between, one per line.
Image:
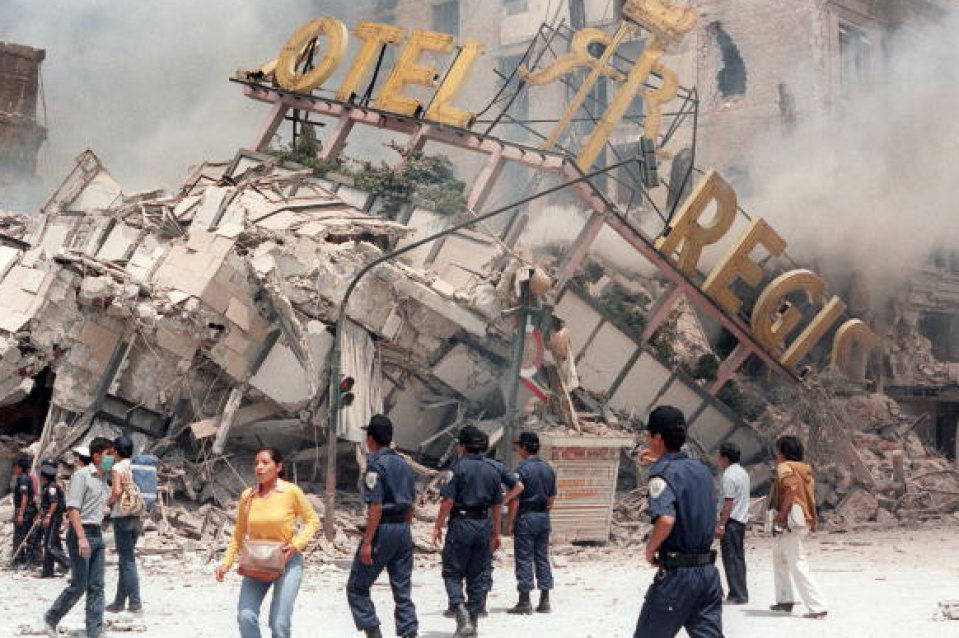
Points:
x=262 y=560
x=130 y=503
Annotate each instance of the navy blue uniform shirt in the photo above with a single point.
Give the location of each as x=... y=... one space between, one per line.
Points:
x=539 y=482
x=682 y=488
x=389 y=481
x=52 y=495
x=507 y=478
x=474 y=484
x=23 y=485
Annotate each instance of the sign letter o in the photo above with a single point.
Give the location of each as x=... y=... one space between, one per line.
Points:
x=287 y=76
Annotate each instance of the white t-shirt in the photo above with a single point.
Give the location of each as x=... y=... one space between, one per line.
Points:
x=119 y=469
x=736 y=487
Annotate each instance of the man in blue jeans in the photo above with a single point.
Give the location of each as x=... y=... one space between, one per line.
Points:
x=86 y=507
x=126 y=532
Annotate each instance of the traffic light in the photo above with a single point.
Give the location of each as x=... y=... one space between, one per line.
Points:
x=346 y=392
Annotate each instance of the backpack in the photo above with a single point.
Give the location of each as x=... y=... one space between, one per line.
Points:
x=143 y=467
x=139 y=486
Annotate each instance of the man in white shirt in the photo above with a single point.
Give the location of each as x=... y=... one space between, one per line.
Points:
x=731 y=524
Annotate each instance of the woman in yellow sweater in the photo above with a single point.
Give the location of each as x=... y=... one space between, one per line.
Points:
x=269 y=512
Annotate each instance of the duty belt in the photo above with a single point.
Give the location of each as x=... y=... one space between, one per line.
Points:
x=394 y=516
x=671 y=560
x=476 y=513
x=531 y=509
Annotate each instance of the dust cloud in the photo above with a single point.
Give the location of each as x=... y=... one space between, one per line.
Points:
x=146 y=84
x=868 y=184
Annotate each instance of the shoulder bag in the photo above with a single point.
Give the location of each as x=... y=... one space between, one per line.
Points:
x=131 y=502
x=261 y=560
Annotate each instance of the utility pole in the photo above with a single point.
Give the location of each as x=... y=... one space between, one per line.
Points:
x=517 y=350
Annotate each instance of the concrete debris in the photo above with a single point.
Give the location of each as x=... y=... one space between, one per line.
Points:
x=200 y=323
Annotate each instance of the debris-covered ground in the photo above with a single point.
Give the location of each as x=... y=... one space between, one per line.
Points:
x=879 y=584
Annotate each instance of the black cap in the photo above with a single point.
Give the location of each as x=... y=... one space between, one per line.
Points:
x=23 y=463
x=527 y=439
x=473 y=437
x=381 y=429
x=48 y=468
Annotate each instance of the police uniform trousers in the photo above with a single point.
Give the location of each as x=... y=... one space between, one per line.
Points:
x=531 y=549
x=22 y=536
x=468 y=555
x=53 y=547
x=683 y=597
x=393 y=551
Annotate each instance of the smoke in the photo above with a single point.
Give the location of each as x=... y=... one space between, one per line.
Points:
x=869 y=185
x=145 y=84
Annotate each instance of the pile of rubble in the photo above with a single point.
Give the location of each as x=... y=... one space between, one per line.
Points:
x=201 y=323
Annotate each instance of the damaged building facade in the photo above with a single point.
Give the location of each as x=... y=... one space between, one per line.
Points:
x=21 y=133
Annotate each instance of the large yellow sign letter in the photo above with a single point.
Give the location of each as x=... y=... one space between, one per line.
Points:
x=686 y=229
x=286 y=74
x=440 y=109
x=406 y=71
x=737 y=263
x=374 y=36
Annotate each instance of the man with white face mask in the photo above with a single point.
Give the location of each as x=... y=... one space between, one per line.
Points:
x=86 y=507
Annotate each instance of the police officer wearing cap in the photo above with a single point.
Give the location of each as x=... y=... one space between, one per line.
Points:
x=529 y=522
x=471 y=501
x=512 y=485
x=389 y=490
x=686 y=592
x=52 y=507
x=25 y=510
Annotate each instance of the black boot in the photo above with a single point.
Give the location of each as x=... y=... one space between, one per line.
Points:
x=543 y=606
x=464 y=626
x=523 y=606
x=450 y=612
x=373 y=632
x=114 y=607
x=474 y=620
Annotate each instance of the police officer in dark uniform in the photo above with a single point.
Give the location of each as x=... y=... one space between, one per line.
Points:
x=686 y=592
x=510 y=481
x=389 y=490
x=530 y=524
x=52 y=507
x=24 y=512
x=471 y=500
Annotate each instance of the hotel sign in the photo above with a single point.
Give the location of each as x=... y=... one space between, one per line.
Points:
x=773 y=319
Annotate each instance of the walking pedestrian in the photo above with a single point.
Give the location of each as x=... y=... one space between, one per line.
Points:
x=530 y=525
x=471 y=501
x=127 y=528
x=52 y=507
x=24 y=512
x=512 y=485
x=733 y=518
x=86 y=506
x=793 y=506
x=686 y=592
x=265 y=533
x=389 y=489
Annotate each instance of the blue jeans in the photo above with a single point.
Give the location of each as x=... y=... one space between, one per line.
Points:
x=126 y=532
x=285 y=589
x=86 y=577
